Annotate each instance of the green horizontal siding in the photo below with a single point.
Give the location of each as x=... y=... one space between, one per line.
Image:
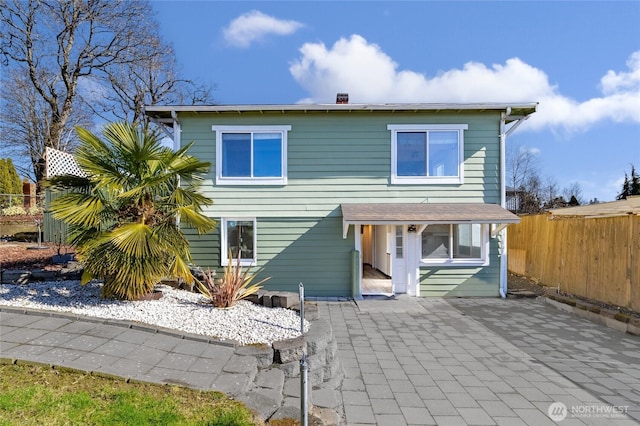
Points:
x=345 y=157
x=335 y=158
x=290 y=251
x=463 y=281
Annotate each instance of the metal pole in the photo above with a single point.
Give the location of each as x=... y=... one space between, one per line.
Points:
x=301 y=291
x=304 y=415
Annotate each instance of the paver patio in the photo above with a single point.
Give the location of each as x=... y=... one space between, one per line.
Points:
x=480 y=361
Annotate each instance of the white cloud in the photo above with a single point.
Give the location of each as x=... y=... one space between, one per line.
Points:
x=368 y=74
x=533 y=150
x=255 y=26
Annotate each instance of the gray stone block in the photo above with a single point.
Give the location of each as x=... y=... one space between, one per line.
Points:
x=316 y=368
x=287 y=412
x=267 y=299
x=310 y=310
x=262 y=352
x=285 y=299
x=291 y=401
x=262 y=404
x=231 y=384
x=272 y=378
x=332 y=350
x=290 y=369
x=292 y=387
x=41 y=274
x=246 y=365
x=324 y=398
x=289 y=350
x=256 y=297
x=16 y=276
x=332 y=369
x=318 y=336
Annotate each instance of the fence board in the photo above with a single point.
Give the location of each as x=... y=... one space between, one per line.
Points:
x=598 y=258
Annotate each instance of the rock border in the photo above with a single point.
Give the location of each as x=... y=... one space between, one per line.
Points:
x=71 y=271
x=608 y=317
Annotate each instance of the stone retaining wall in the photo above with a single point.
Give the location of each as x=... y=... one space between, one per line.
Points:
x=608 y=317
x=71 y=271
x=275 y=389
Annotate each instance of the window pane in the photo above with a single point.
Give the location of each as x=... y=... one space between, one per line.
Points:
x=411 y=154
x=467 y=241
x=443 y=153
x=236 y=154
x=398 y=242
x=435 y=242
x=267 y=155
x=240 y=236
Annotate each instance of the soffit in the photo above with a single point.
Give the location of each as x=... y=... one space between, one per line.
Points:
x=164 y=111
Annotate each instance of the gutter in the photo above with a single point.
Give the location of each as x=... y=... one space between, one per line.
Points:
x=504 y=132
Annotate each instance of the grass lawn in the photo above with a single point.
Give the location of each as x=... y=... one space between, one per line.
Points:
x=39 y=395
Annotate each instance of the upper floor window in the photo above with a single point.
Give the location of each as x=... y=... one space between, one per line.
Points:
x=251 y=155
x=430 y=153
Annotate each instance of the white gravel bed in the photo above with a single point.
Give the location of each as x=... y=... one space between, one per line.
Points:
x=245 y=322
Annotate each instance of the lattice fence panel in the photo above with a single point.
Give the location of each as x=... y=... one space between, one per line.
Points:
x=61 y=163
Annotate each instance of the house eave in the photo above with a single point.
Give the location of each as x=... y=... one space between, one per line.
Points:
x=160 y=112
x=425 y=214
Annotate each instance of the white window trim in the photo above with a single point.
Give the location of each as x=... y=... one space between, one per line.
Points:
x=395 y=179
x=221 y=180
x=482 y=261
x=224 y=247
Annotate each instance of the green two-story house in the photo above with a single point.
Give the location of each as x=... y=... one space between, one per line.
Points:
x=355 y=199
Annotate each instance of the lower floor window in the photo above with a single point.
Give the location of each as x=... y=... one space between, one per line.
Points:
x=455 y=243
x=239 y=236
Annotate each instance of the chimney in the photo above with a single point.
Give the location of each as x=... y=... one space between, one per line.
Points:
x=342 y=98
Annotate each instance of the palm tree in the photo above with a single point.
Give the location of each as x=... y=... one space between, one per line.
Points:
x=123 y=215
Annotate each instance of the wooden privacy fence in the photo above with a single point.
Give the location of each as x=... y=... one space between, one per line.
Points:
x=598 y=258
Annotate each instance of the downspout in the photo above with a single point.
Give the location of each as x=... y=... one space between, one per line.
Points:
x=176 y=145
x=504 y=132
x=176 y=130
x=503 y=202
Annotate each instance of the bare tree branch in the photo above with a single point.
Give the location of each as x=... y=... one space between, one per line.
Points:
x=59 y=42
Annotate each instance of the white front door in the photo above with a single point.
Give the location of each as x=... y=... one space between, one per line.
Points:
x=399 y=270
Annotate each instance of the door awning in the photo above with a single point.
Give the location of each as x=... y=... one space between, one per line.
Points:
x=425 y=214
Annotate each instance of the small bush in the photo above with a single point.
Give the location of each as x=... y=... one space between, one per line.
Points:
x=236 y=284
x=35 y=211
x=14 y=211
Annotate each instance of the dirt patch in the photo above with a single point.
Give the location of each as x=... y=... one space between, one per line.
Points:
x=18 y=255
x=517 y=282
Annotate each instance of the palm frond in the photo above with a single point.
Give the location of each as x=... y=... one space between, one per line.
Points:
x=124 y=224
x=78 y=208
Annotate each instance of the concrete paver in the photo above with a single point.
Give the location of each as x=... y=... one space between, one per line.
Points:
x=479 y=361
x=603 y=362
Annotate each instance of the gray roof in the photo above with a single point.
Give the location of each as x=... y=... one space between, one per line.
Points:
x=416 y=213
x=165 y=111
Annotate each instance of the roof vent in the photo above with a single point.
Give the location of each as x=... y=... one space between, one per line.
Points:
x=342 y=98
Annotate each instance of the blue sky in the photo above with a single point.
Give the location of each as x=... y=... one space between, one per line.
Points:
x=580 y=60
